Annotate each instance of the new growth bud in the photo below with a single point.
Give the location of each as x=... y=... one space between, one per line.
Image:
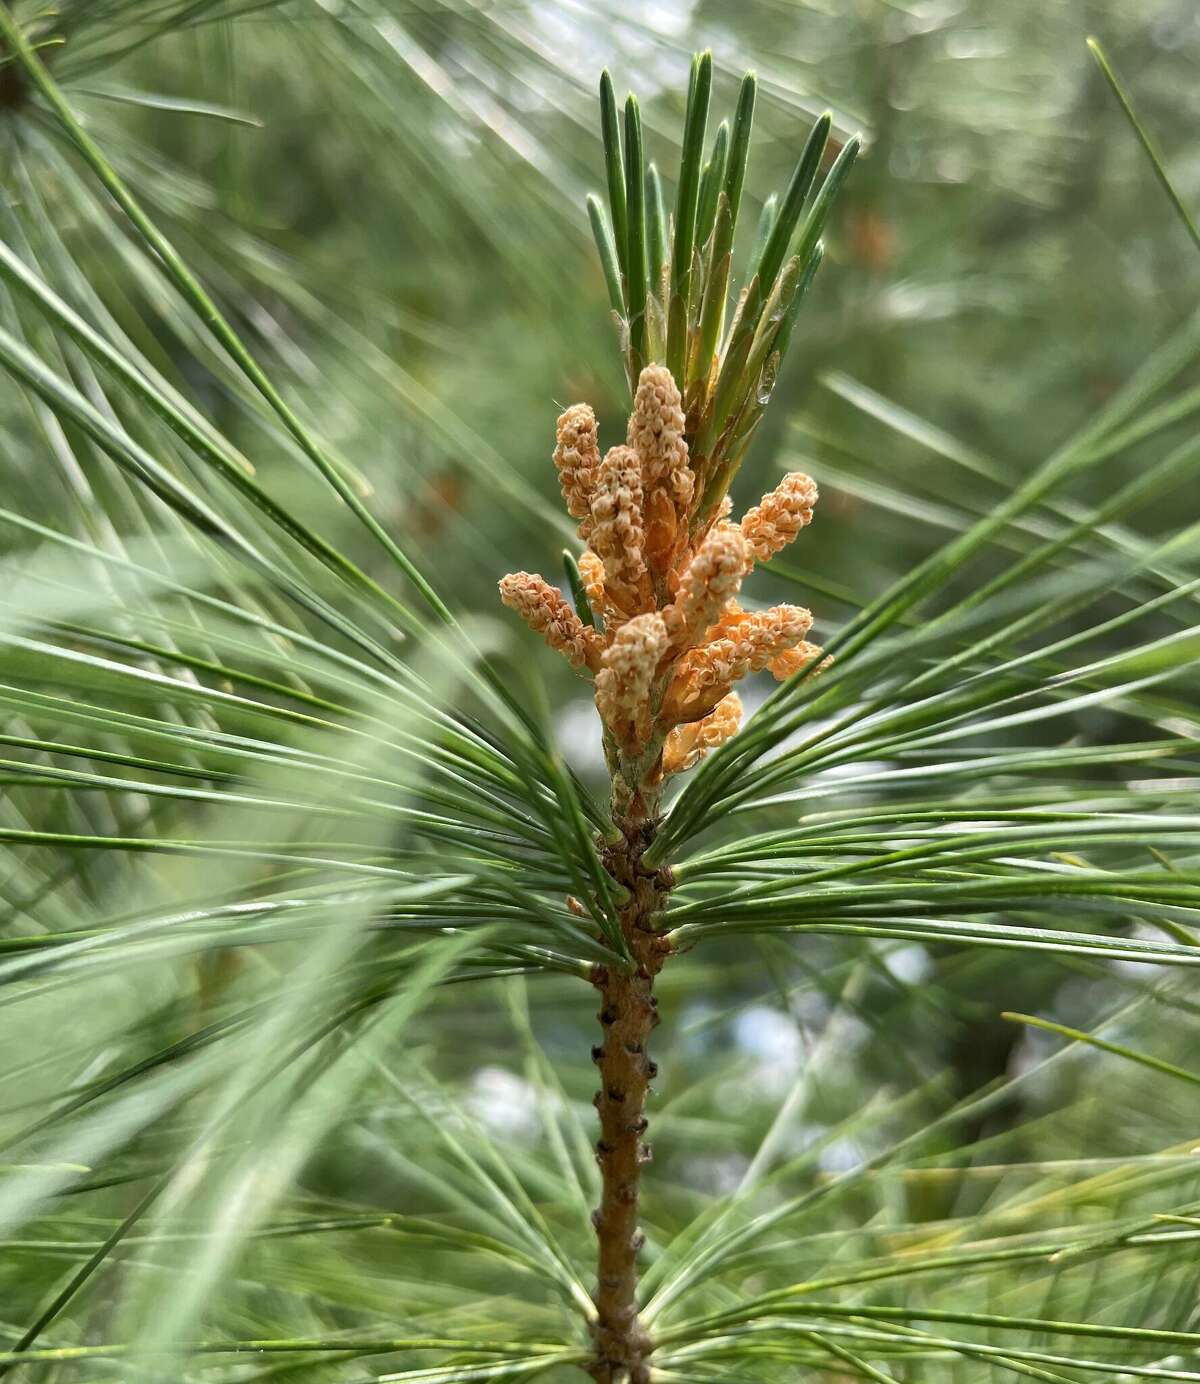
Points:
x=686 y=746
x=618 y=533
x=665 y=582
x=577 y=457
x=780 y=515
x=626 y=675
x=545 y=610
x=656 y=434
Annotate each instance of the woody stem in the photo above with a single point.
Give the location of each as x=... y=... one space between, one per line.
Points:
x=628 y=1014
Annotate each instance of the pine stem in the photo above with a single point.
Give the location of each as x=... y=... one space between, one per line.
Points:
x=628 y=1014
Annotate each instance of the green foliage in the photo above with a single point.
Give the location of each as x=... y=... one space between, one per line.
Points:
x=291 y=1004
x=672 y=308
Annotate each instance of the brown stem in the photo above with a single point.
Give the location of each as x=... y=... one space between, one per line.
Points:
x=628 y=1013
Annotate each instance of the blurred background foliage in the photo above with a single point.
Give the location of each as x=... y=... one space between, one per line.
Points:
x=394 y=207
x=386 y=197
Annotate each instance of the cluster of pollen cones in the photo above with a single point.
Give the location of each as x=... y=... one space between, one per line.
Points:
x=670 y=639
